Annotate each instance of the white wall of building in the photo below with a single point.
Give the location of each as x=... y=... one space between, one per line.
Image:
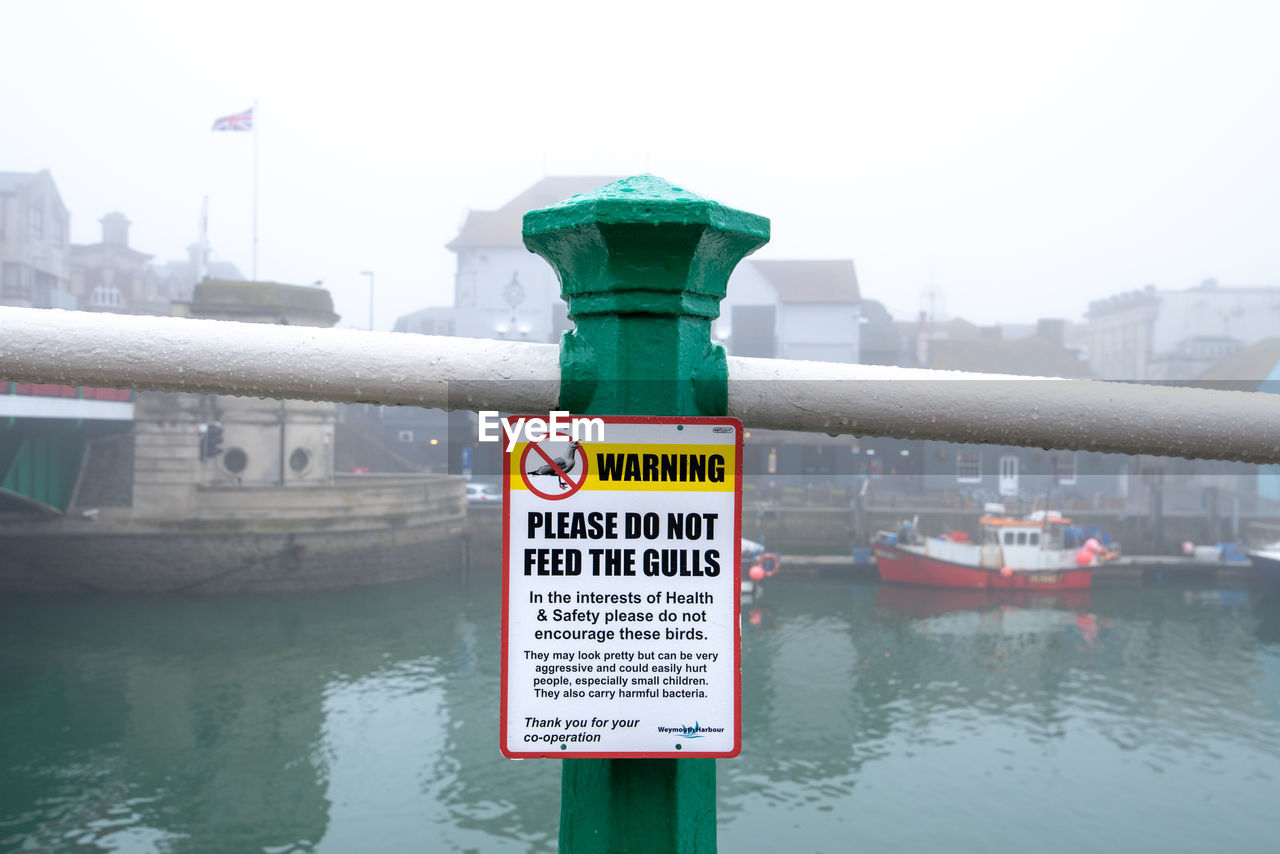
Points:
x=1130 y=331
x=480 y=295
x=1120 y=342
x=827 y=332
x=824 y=332
x=746 y=287
x=1246 y=314
x=35 y=234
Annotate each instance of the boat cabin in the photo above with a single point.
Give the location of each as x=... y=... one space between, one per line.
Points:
x=1024 y=542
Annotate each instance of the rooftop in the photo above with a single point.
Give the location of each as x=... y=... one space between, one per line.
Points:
x=1031 y=356
x=811 y=281
x=503 y=227
x=1247 y=369
x=11 y=182
x=218 y=298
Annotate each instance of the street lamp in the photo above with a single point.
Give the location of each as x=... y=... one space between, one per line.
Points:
x=370 y=275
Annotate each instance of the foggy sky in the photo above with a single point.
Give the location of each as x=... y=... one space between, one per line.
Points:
x=1021 y=158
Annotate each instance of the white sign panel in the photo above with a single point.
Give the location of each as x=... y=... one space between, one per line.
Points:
x=621 y=582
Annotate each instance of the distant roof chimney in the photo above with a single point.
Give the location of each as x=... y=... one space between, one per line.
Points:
x=115 y=229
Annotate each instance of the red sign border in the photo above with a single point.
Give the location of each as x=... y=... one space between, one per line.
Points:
x=524 y=475
x=737 y=600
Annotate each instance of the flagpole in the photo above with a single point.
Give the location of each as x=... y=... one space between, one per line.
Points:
x=202 y=264
x=254 y=277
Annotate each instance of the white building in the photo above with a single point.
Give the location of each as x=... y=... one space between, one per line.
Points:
x=1158 y=334
x=35 y=230
x=112 y=276
x=501 y=289
x=792 y=310
x=788 y=309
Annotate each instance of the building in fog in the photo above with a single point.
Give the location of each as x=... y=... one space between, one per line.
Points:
x=880 y=340
x=788 y=309
x=437 y=320
x=932 y=471
x=35 y=228
x=1040 y=354
x=501 y=289
x=112 y=276
x=1161 y=334
x=1049 y=347
x=775 y=308
x=178 y=279
x=992 y=472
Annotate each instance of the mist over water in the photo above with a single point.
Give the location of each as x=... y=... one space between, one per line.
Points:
x=874 y=718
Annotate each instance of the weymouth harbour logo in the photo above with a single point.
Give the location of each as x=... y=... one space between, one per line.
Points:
x=695 y=731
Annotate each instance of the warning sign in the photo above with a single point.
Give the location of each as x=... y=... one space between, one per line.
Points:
x=621 y=579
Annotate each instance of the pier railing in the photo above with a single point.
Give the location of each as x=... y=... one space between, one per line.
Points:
x=347 y=365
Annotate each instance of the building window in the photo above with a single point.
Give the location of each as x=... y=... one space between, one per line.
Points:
x=15 y=284
x=55 y=232
x=35 y=222
x=818 y=460
x=106 y=296
x=969 y=466
x=1064 y=469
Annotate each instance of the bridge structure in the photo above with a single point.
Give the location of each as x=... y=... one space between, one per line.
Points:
x=643 y=266
x=45 y=431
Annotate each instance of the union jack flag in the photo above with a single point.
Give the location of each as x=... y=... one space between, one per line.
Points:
x=239 y=121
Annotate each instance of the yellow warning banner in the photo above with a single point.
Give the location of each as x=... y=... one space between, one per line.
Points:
x=618 y=467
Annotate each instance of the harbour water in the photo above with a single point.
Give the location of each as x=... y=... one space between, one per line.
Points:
x=874 y=719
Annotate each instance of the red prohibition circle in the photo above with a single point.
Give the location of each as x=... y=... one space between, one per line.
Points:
x=574 y=486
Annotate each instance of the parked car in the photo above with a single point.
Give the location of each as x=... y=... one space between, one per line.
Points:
x=483 y=493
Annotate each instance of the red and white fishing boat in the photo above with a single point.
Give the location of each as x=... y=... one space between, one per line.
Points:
x=1015 y=554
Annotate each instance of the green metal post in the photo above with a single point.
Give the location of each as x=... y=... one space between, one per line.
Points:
x=643 y=266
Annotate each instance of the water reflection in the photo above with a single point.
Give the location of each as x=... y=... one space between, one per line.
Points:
x=896 y=717
x=873 y=716
x=269 y=723
x=932 y=601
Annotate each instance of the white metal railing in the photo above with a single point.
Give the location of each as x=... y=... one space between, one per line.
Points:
x=346 y=365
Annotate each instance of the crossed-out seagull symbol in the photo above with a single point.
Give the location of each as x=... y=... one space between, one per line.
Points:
x=564 y=463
